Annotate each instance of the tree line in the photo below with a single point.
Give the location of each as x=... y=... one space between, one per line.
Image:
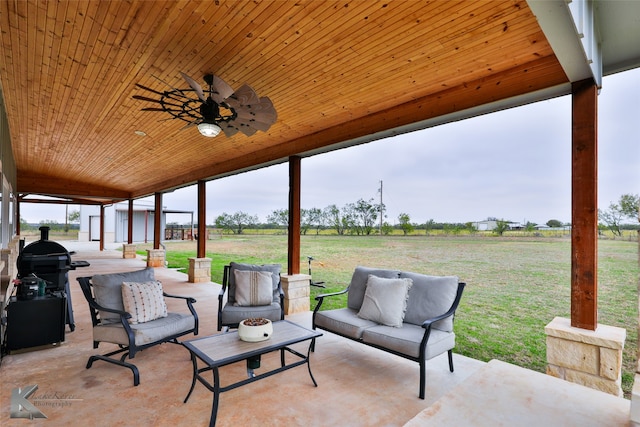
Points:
x=362 y=218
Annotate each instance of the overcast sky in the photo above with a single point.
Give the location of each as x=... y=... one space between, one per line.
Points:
x=514 y=165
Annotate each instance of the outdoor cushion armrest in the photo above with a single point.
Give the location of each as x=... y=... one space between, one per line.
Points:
x=320 y=298
x=121 y=313
x=452 y=310
x=190 y=299
x=331 y=294
x=429 y=322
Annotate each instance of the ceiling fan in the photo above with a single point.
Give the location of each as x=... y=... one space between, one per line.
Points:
x=217 y=109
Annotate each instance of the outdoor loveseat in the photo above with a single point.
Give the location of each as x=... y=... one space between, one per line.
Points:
x=408 y=314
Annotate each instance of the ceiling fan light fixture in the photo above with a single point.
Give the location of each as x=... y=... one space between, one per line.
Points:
x=209 y=130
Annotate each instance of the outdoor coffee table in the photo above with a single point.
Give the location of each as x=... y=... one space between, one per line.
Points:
x=226 y=348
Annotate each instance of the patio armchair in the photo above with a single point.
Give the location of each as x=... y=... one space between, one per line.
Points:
x=251 y=291
x=129 y=310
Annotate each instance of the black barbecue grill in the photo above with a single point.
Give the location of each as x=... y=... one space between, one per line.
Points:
x=50 y=261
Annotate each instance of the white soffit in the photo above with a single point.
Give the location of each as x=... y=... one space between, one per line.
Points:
x=570 y=28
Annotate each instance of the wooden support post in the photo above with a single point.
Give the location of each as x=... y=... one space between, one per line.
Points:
x=584 y=199
x=157 y=218
x=130 y=222
x=294 y=216
x=101 y=227
x=17 y=220
x=202 y=219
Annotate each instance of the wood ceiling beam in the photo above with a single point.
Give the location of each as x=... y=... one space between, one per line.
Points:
x=29 y=182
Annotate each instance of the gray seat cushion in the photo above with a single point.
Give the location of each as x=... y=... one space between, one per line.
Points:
x=107 y=289
x=358 y=283
x=234 y=314
x=145 y=333
x=344 y=321
x=430 y=296
x=406 y=340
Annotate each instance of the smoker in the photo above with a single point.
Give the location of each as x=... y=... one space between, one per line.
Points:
x=49 y=261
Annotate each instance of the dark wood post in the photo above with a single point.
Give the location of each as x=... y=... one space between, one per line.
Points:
x=584 y=200
x=102 y=227
x=130 y=222
x=157 y=217
x=202 y=219
x=294 y=215
x=17 y=219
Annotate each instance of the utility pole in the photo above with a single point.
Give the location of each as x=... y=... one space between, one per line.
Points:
x=380 y=228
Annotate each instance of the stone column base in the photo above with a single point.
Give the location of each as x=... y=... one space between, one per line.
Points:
x=199 y=270
x=589 y=358
x=296 y=289
x=128 y=250
x=155 y=258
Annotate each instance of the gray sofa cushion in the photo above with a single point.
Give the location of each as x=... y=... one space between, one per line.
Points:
x=430 y=296
x=406 y=340
x=358 y=283
x=273 y=268
x=344 y=321
x=107 y=289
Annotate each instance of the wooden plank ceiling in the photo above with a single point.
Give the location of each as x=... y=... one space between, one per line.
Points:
x=334 y=71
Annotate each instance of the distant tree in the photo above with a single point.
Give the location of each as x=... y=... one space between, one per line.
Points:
x=530 y=226
x=501 y=227
x=386 y=228
x=612 y=217
x=471 y=227
x=626 y=208
x=629 y=205
x=24 y=225
x=405 y=223
x=279 y=217
x=237 y=222
x=365 y=214
x=428 y=226
x=333 y=216
x=74 y=216
x=554 y=223
x=349 y=219
x=314 y=218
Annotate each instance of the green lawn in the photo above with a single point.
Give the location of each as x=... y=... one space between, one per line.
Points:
x=515 y=285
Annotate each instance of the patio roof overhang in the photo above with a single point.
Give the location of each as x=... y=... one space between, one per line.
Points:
x=338 y=73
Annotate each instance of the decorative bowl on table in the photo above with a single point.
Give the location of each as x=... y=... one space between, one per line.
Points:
x=255 y=329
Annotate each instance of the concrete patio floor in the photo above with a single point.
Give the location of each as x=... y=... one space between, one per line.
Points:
x=357 y=385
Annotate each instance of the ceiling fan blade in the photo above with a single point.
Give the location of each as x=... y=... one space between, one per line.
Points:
x=248 y=130
x=257 y=120
x=153 y=109
x=245 y=95
x=220 y=90
x=195 y=86
x=229 y=130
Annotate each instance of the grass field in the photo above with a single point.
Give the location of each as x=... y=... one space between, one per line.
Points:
x=515 y=285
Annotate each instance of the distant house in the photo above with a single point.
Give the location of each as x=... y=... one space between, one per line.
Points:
x=490 y=225
x=116 y=222
x=485 y=225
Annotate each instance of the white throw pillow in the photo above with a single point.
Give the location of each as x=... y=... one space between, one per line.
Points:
x=144 y=301
x=385 y=300
x=253 y=288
